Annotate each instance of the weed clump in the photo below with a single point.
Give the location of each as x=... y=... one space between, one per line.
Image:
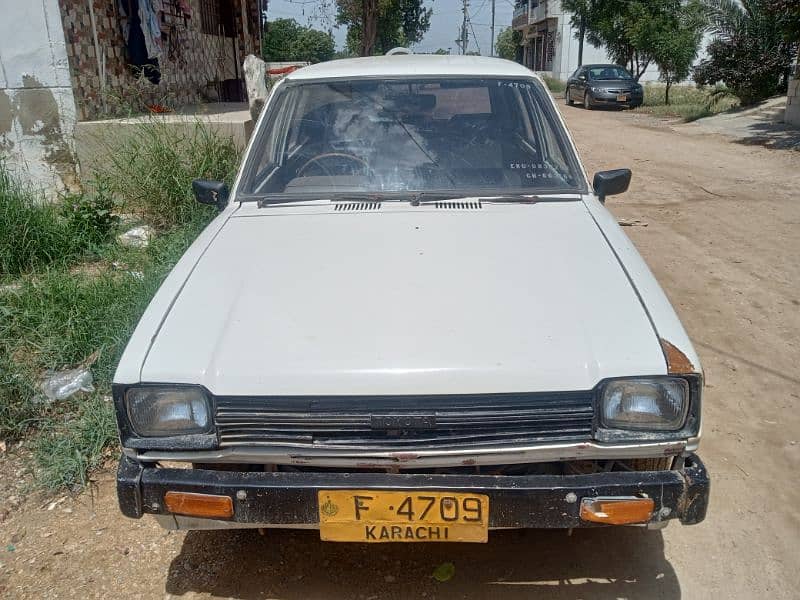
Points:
x=35 y=234
x=70 y=292
x=152 y=172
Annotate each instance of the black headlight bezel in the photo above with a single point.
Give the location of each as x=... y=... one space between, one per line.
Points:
x=690 y=429
x=130 y=439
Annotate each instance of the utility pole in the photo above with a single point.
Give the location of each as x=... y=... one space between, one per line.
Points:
x=491 y=50
x=464 y=34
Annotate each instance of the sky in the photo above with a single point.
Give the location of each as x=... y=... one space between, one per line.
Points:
x=445 y=23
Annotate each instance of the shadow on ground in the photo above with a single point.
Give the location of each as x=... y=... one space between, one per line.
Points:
x=759 y=125
x=599 y=564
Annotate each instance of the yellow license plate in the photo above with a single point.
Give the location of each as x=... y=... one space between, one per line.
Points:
x=382 y=516
x=622 y=98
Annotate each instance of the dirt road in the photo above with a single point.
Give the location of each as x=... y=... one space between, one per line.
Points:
x=723 y=238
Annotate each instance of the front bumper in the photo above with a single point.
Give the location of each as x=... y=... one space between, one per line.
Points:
x=606 y=98
x=531 y=501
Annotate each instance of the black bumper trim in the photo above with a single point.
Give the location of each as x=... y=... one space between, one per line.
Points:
x=531 y=501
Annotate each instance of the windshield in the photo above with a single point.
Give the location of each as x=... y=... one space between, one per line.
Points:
x=383 y=136
x=608 y=72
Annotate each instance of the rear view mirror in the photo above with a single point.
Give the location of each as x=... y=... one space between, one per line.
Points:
x=608 y=183
x=211 y=192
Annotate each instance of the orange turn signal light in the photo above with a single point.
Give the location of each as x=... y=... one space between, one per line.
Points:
x=617 y=511
x=199 y=505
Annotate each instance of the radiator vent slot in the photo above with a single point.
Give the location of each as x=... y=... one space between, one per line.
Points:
x=356 y=206
x=452 y=205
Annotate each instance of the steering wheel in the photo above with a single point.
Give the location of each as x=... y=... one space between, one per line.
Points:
x=316 y=160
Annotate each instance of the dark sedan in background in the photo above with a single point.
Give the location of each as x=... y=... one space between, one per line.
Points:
x=603 y=85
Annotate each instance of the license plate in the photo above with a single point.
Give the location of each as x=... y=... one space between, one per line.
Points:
x=622 y=98
x=382 y=516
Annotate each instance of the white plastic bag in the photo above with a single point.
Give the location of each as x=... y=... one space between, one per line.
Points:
x=138 y=237
x=59 y=385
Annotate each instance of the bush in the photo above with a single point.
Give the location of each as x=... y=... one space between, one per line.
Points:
x=152 y=171
x=35 y=233
x=91 y=216
x=32 y=231
x=554 y=84
x=751 y=50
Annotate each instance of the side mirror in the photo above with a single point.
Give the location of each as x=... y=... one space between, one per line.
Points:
x=211 y=192
x=608 y=183
x=582 y=77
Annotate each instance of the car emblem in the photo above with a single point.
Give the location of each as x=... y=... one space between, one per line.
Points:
x=403 y=422
x=329 y=509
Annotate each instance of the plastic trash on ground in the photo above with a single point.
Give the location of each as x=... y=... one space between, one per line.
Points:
x=59 y=385
x=138 y=237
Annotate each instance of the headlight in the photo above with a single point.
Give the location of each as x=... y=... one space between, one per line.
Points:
x=649 y=403
x=597 y=90
x=164 y=411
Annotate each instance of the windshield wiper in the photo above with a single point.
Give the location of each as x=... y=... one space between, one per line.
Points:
x=414 y=198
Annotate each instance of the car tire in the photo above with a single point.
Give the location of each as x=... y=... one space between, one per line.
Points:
x=567 y=97
x=587 y=101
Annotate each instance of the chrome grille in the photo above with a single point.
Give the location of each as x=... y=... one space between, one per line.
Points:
x=405 y=422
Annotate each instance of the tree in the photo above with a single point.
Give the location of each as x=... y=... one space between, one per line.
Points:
x=441 y=51
x=788 y=13
x=377 y=26
x=629 y=30
x=581 y=11
x=674 y=39
x=287 y=40
x=750 y=52
x=507 y=44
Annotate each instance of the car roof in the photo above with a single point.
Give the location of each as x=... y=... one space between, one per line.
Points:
x=598 y=65
x=412 y=65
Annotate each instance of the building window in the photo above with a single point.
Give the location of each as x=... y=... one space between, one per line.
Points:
x=216 y=17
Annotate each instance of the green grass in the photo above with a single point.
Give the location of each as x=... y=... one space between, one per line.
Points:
x=33 y=232
x=69 y=302
x=688 y=103
x=152 y=174
x=554 y=84
x=74 y=441
x=57 y=320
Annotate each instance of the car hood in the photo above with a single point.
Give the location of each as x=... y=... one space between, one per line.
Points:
x=405 y=300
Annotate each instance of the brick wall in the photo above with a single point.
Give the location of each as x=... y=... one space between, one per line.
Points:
x=193 y=65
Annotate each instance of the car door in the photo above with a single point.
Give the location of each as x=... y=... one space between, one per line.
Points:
x=579 y=85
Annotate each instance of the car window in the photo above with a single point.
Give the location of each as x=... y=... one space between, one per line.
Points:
x=608 y=72
x=410 y=135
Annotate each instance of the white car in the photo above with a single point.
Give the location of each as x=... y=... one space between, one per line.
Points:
x=412 y=320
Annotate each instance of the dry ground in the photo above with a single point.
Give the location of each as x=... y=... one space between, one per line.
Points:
x=723 y=237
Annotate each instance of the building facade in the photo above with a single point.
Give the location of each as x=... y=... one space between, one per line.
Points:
x=549 y=44
x=65 y=61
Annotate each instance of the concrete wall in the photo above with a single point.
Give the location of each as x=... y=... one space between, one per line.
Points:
x=792 y=116
x=96 y=141
x=37 y=109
